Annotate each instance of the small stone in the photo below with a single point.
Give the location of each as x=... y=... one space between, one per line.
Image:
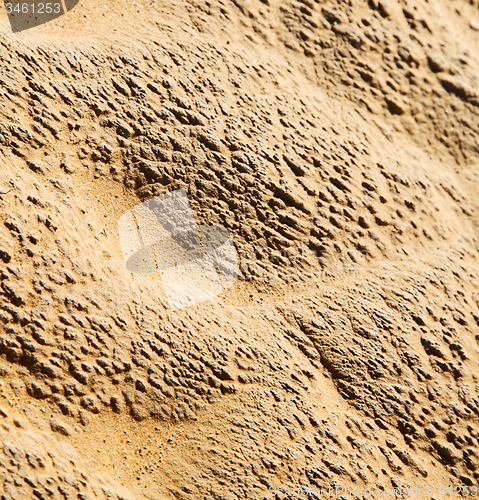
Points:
x=138 y=412
x=38 y=390
x=67 y=167
x=62 y=428
x=90 y=404
x=474 y=24
x=19 y=422
x=5 y=252
x=37 y=167
x=395 y=106
x=84 y=418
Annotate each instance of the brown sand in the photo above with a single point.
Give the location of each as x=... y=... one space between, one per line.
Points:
x=337 y=142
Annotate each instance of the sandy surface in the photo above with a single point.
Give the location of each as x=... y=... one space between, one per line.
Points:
x=338 y=145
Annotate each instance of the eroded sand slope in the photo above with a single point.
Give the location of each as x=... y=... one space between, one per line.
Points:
x=337 y=141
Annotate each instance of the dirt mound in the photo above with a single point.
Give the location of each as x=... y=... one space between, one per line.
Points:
x=337 y=143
